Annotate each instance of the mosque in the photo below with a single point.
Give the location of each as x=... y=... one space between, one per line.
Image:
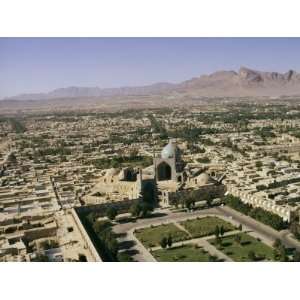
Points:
x=169 y=178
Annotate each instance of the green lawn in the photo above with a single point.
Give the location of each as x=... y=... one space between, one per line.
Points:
x=151 y=237
x=205 y=226
x=183 y=253
x=239 y=251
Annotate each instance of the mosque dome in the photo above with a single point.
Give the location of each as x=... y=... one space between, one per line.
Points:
x=204 y=179
x=170 y=151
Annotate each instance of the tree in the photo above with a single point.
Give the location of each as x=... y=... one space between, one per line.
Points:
x=282 y=253
x=148 y=194
x=170 y=241
x=140 y=209
x=189 y=203
x=163 y=242
x=217 y=235
x=124 y=257
x=112 y=212
x=209 y=202
x=135 y=209
x=217 y=231
x=295 y=229
x=212 y=258
x=297 y=256
x=101 y=225
x=251 y=255
x=222 y=230
x=145 y=208
x=112 y=245
x=240 y=227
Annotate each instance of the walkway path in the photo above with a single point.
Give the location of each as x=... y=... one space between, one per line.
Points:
x=203 y=242
x=258 y=230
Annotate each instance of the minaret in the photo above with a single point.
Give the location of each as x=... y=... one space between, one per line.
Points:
x=139 y=183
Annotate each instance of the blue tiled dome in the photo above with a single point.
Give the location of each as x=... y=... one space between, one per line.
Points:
x=170 y=151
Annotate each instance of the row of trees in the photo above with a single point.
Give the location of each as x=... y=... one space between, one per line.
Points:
x=17 y=126
x=101 y=232
x=141 y=209
x=102 y=236
x=281 y=253
x=192 y=134
x=188 y=200
x=257 y=213
x=117 y=162
x=158 y=127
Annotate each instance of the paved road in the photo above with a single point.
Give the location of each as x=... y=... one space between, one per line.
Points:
x=163 y=216
x=264 y=230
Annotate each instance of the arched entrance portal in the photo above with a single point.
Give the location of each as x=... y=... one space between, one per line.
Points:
x=164 y=171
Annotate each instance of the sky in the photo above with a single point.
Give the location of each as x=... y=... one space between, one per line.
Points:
x=30 y=65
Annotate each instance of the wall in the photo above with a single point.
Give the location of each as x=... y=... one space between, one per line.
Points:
x=85 y=237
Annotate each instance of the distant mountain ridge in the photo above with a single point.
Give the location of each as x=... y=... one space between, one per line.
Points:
x=81 y=92
x=245 y=82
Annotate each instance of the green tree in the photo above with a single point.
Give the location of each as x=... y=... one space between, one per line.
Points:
x=283 y=254
x=189 y=203
x=124 y=257
x=112 y=245
x=170 y=241
x=222 y=230
x=135 y=209
x=296 y=257
x=148 y=194
x=145 y=208
x=112 y=212
x=101 y=225
x=163 y=242
x=209 y=202
x=212 y=258
x=251 y=255
x=217 y=231
x=217 y=235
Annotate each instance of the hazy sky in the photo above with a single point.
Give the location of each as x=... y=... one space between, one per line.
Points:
x=42 y=64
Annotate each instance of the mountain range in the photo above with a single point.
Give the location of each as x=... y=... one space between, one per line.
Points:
x=244 y=82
